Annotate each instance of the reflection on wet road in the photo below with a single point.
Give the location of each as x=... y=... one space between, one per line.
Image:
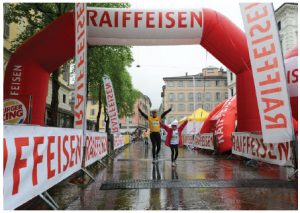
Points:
x=135 y=163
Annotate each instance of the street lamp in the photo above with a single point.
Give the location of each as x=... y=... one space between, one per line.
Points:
x=194 y=93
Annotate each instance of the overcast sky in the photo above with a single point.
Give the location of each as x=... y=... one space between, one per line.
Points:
x=157 y=62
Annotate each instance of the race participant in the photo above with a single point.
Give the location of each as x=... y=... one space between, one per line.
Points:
x=154 y=126
x=174 y=138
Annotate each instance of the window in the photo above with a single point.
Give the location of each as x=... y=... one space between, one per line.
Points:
x=191 y=107
x=199 y=106
x=219 y=83
x=218 y=96
x=231 y=76
x=207 y=96
x=231 y=92
x=64 y=98
x=207 y=83
x=226 y=95
x=171 y=83
x=198 y=96
x=180 y=97
x=180 y=83
x=190 y=83
x=6 y=25
x=181 y=107
x=279 y=25
x=94 y=102
x=173 y=107
x=191 y=96
x=171 y=97
x=207 y=107
x=92 y=112
x=199 y=84
x=66 y=72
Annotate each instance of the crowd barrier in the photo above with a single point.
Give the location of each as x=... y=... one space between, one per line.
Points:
x=37 y=158
x=203 y=141
x=252 y=146
x=118 y=141
x=248 y=145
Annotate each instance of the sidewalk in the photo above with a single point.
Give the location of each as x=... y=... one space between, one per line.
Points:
x=134 y=165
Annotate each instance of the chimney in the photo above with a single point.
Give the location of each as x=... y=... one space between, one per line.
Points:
x=186 y=74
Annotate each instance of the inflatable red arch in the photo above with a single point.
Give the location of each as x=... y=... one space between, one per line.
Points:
x=29 y=67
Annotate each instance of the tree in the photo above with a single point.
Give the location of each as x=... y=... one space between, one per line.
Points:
x=34 y=17
x=112 y=61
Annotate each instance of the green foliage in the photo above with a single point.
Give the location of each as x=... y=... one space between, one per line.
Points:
x=112 y=61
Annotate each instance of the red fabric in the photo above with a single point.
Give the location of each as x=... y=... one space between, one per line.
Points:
x=221 y=122
x=39 y=56
x=170 y=132
x=226 y=42
x=209 y=124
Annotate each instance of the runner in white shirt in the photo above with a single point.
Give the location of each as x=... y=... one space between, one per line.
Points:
x=174 y=138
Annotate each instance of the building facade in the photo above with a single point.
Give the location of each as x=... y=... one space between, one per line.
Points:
x=204 y=90
x=231 y=83
x=135 y=120
x=65 y=111
x=287 y=21
x=92 y=108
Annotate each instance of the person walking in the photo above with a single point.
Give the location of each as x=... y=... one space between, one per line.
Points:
x=174 y=138
x=153 y=121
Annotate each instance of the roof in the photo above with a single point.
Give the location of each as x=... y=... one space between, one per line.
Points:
x=197 y=77
x=211 y=67
x=287 y=3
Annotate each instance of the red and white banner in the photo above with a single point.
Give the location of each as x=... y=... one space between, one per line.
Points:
x=112 y=108
x=144 y=27
x=252 y=146
x=37 y=158
x=118 y=141
x=17 y=111
x=80 y=66
x=189 y=140
x=204 y=141
x=291 y=66
x=268 y=72
x=96 y=147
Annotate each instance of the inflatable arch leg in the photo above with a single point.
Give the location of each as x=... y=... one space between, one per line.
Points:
x=29 y=68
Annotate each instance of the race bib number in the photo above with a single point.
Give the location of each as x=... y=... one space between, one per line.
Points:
x=155 y=123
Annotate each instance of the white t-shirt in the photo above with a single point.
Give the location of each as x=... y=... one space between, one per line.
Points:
x=175 y=137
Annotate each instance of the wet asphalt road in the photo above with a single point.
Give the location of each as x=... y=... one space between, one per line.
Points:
x=135 y=163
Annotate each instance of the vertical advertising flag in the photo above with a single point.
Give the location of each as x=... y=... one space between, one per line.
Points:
x=268 y=72
x=80 y=66
x=112 y=109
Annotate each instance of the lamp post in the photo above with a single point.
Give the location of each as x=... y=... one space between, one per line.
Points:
x=194 y=99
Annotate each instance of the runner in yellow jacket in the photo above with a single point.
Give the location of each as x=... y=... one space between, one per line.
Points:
x=154 y=126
